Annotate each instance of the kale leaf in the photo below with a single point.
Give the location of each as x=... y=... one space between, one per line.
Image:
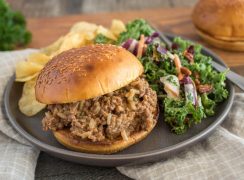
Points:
x=208 y=104
x=101 y=39
x=181 y=115
x=156 y=69
x=134 y=29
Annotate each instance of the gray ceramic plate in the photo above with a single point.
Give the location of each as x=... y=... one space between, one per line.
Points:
x=161 y=143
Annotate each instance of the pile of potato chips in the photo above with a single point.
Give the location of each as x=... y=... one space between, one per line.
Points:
x=81 y=34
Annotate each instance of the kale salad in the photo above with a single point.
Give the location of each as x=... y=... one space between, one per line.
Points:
x=187 y=86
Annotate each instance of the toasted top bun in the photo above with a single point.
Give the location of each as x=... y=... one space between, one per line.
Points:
x=85 y=73
x=223 y=19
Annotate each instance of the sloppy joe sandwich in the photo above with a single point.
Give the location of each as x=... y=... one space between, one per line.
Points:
x=98 y=100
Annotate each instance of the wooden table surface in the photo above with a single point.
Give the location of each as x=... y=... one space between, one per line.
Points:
x=171 y=20
x=47 y=30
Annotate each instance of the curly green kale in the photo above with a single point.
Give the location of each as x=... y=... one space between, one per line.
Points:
x=134 y=29
x=207 y=75
x=101 y=39
x=181 y=115
x=156 y=69
x=208 y=104
x=13 y=31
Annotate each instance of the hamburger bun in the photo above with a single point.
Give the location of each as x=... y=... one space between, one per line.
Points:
x=222 y=44
x=65 y=138
x=220 y=23
x=85 y=73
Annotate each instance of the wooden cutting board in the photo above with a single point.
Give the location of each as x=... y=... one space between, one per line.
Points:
x=171 y=20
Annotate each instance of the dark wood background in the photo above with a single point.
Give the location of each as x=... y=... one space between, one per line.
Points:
x=49 y=8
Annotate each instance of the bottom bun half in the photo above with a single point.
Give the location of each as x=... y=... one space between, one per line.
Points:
x=231 y=45
x=65 y=138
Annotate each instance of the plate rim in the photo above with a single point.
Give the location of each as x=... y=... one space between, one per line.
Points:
x=65 y=152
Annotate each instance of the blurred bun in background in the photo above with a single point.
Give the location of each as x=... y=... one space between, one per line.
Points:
x=220 y=23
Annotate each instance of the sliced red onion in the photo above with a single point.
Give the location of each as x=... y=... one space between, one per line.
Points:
x=131 y=45
x=150 y=39
x=155 y=34
x=186 y=80
x=135 y=49
x=127 y=44
x=190 y=90
x=161 y=50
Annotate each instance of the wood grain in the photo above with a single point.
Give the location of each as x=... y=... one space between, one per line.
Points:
x=170 y=20
x=50 y=8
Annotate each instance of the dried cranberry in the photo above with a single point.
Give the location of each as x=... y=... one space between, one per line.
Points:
x=191 y=50
x=174 y=46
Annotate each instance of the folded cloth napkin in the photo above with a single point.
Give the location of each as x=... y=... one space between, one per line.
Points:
x=17 y=157
x=221 y=156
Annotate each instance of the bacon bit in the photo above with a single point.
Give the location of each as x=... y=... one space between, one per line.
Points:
x=140 y=46
x=197 y=82
x=181 y=71
x=188 y=56
x=197 y=76
x=178 y=66
x=205 y=88
x=185 y=71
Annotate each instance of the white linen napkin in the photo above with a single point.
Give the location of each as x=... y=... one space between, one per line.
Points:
x=17 y=157
x=221 y=156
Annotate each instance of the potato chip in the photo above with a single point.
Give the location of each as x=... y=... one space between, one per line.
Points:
x=38 y=58
x=117 y=27
x=89 y=36
x=28 y=104
x=104 y=31
x=27 y=78
x=72 y=40
x=84 y=27
x=49 y=50
x=25 y=69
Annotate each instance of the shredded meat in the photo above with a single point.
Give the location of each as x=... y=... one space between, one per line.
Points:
x=111 y=116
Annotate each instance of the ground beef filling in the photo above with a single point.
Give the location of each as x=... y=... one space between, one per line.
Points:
x=111 y=116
